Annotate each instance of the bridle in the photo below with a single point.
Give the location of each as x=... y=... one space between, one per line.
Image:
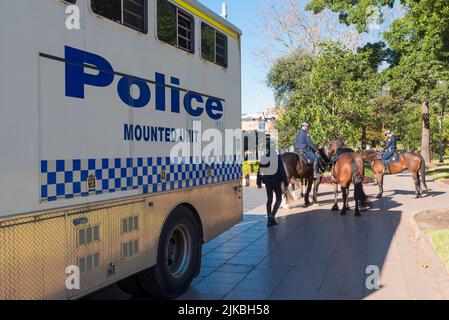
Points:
x=373 y=155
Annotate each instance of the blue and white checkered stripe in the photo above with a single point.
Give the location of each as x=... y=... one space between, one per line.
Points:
x=67 y=179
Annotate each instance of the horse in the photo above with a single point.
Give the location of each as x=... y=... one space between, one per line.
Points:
x=300 y=173
x=347 y=169
x=410 y=161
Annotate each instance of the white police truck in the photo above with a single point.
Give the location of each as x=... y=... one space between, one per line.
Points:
x=106 y=170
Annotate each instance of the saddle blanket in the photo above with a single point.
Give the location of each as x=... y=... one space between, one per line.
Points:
x=395 y=158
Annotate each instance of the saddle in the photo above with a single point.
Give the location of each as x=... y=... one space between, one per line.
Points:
x=304 y=158
x=395 y=158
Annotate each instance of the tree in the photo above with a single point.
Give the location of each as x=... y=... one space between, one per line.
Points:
x=420 y=44
x=334 y=91
x=289 y=28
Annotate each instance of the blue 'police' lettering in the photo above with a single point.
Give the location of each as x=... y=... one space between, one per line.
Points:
x=175 y=95
x=189 y=97
x=214 y=108
x=124 y=92
x=77 y=79
x=160 y=92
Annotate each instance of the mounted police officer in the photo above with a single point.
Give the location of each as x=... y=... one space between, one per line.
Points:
x=304 y=145
x=390 y=149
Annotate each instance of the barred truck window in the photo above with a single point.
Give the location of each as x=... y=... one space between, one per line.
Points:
x=175 y=26
x=130 y=13
x=214 y=45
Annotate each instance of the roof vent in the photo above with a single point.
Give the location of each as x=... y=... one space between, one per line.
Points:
x=224 y=10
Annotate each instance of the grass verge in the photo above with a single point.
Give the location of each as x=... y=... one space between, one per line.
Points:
x=441 y=172
x=440 y=243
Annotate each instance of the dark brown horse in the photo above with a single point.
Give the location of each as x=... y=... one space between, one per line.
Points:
x=298 y=170
x=412 y=162
x=346 y=170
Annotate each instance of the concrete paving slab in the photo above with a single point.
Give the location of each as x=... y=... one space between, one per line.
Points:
x=315 y=253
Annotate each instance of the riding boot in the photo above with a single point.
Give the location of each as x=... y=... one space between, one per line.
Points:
x=387 y=168
x=316 y=169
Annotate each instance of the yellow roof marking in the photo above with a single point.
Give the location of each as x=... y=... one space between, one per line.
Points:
x=206 y=18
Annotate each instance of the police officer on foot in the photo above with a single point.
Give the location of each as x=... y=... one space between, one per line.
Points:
x=274 y=177
x=390 y=148
x=305 y=145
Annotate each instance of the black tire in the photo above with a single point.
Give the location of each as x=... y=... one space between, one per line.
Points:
x=179 y=252
x=131 y=285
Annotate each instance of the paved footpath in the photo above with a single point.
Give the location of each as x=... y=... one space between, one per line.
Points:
x=317 y=254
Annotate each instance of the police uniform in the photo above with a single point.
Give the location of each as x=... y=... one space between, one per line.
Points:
x=390 y=148
x=305 y=145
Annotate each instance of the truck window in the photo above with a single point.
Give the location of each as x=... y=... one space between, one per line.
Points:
x=130 y=13
x=214 y=45
x=174 y=26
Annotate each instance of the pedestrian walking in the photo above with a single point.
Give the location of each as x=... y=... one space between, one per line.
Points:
x=275 y=180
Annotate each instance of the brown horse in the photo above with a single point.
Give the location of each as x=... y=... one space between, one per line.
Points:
x=412 y=162
x=298 y=170
x=346 y=170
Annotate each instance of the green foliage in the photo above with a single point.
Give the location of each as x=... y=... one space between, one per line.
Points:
x=350 y=12
x=334 y=91
x=250 y=167
x=417 y=56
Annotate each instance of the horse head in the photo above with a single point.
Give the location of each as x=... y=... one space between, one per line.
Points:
x=369 y=155
x=331 y=148
x=325 y=159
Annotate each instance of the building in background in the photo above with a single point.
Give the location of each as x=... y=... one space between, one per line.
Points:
x=256 y=125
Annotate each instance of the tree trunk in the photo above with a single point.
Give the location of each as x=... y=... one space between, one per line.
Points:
x=425 y=141
x=364 y=138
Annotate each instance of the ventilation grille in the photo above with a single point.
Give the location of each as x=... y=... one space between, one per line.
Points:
x=88 y=235
x=130 y=224
x=88 y=263
x=130 y=249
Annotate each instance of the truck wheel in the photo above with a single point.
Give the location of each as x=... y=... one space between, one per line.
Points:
x=131 y=285
x=179 y=252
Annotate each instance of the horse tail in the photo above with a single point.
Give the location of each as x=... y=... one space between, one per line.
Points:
x=359 y=193
x=422 y=173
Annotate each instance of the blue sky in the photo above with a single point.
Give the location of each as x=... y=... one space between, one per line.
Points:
x=256 y=96
x=245 y=14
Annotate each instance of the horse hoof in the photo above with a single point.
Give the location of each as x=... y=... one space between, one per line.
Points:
x=343 y=213
x=357 y=214
x=379 y=196
x=335 y=208
x=307 y=204
x=418 y=196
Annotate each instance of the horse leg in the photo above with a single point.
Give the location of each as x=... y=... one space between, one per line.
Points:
x=309 y=188
x=344 y=192
x=335 y=207
x=357 y=209
x=418 y=193
x=286 y=199
x=302 y=188
x=380 y=182
x=316 y=185
x=295 y=197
